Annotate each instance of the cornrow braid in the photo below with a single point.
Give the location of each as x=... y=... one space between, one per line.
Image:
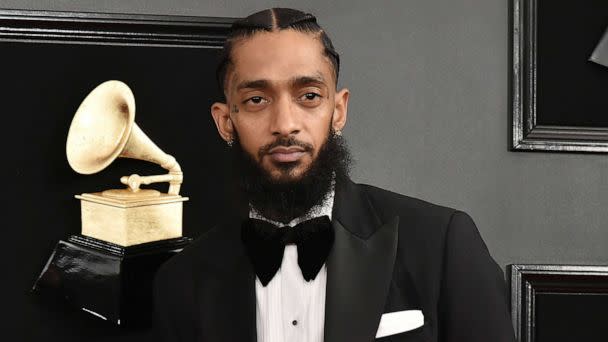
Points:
x=269 y=20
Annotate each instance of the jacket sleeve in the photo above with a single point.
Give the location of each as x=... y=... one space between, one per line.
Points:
x=473 y=303
x=163 y=326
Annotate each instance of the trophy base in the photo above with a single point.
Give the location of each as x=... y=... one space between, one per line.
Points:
x=131 y=220
x=109 y=281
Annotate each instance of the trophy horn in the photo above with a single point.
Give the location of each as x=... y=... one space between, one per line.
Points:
x=104 y=129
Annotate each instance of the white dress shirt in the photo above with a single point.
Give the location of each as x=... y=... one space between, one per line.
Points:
x=289 y=308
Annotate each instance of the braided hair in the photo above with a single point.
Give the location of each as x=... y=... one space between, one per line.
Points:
x=270 y=20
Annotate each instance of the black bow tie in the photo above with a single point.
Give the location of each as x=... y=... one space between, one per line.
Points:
x=265 y=244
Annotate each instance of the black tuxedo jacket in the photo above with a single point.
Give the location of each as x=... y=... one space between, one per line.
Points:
x=391 y=253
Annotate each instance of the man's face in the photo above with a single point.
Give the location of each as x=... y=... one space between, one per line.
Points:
x=281 y=101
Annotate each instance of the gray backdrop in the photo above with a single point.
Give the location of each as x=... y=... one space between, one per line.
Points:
x=429 y=118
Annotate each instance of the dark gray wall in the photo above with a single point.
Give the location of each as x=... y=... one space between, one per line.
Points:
x=429 y=118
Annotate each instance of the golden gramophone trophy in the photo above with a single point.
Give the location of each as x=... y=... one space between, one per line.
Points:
x=126 y=233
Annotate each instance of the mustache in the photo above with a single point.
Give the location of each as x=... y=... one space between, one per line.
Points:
x=285 y=142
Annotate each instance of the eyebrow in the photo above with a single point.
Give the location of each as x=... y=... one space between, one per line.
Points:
x=301 y=81
x=298 y=81
x=254 y=84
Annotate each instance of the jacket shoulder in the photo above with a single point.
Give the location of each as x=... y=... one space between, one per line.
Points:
x=214 y=241
x=389 y=204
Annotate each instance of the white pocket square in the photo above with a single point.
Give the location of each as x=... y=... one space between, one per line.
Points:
x=400 y=321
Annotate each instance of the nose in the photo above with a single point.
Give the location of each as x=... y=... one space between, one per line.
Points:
x=285 y=120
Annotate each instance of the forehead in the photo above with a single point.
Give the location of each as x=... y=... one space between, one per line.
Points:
x=279 y=56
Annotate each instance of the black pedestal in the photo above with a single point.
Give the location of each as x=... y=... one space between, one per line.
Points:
x=107 y=280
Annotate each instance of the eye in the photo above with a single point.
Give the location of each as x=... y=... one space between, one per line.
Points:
x=310 y=97
x=255 y=100
x=255 y=103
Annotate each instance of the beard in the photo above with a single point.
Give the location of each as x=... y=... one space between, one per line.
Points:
x=286 y=197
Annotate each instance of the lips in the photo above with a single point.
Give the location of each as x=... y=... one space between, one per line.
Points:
x=283 y=154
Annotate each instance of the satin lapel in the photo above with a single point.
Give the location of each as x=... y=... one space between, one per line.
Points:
x=226 y=290
x=358 y=278
x=359 y=268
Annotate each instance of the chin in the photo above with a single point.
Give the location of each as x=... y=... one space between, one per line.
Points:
x=287 y=173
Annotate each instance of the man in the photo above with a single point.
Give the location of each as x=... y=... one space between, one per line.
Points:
x=309 y=255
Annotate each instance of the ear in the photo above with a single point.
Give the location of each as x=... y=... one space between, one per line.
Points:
x=340 y=109
x=221 y=116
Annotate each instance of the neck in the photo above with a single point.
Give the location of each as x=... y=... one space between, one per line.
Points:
x=321 y=208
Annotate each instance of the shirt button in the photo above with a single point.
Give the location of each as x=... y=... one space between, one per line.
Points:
x=294 y=322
